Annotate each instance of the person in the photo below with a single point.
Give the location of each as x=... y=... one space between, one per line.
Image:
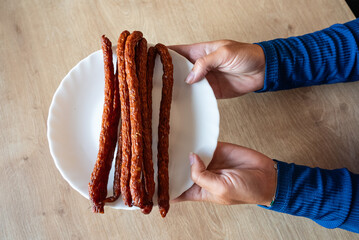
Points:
x=239 y=175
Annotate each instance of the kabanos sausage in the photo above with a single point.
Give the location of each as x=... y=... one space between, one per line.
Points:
x=108 y=135
x=164 y=129
x=146 y=111
x=136 y=186
x=122 y=160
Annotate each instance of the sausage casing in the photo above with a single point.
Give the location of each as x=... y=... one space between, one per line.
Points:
x=164 y=129
x=108 y=135
x=136 y=186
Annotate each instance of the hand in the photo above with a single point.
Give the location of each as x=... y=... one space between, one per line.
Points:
x=235 y=175
x=231 y=68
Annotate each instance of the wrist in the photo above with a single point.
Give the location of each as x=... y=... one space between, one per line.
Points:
x=259 y=76
x=274 y=189
x=268 y=187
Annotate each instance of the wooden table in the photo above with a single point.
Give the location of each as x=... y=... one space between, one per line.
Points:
x=40 y=41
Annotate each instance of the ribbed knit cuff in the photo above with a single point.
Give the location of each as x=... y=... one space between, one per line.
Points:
x=353 y=27
x=321 y=195
x=342 y=203
x=271 y=68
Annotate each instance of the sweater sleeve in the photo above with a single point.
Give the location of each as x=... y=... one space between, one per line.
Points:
x=328 y=197
x=327 y=56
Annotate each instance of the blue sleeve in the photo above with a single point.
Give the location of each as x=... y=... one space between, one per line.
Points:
x=327 y=56
x=328 y=197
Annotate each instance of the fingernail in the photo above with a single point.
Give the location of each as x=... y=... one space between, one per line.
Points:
x=190 y=77
x=191 y=158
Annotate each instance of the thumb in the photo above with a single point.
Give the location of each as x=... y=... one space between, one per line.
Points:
x=201 y=176
x=203 y=65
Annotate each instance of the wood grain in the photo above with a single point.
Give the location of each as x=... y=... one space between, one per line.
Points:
x=40 y=41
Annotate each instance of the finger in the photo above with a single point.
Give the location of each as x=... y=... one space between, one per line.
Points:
x=203 y=65
x=197 y=50
x=183 y=50
x=226 y=155
x=202 y=177
x=190 y=51
x=195 y=193
x=191 y=194
x=219 y=156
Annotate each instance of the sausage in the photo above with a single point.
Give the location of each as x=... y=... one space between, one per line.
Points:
x=147 y=170
x=121 y=77
x=117 y=175
x=108 y=135
x=151 y=57
x=125 y=145
x=163 y=129
x=150 y=184
x=136 y=120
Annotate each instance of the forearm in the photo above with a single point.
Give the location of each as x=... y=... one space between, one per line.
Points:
x=327 y=56
x=329 y=197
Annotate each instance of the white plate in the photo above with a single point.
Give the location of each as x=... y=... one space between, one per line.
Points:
x=74 y=123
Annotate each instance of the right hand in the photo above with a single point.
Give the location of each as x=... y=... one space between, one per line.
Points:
x=231 y=68
x=236 y=175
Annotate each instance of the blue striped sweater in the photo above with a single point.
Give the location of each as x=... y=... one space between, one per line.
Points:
x=329 y=197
